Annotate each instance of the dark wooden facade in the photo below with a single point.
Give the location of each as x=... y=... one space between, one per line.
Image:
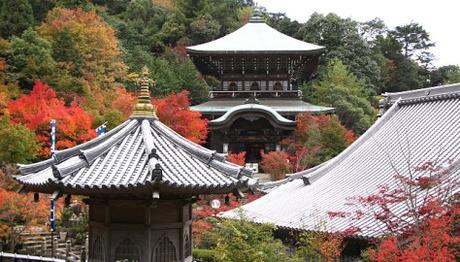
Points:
x=262 y=65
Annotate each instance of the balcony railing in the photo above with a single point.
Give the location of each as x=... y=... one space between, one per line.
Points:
x=257 y=94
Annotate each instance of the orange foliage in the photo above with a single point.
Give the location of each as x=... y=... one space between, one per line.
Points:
x=96 y=48
x=237 y=158
x=174 y=111
x=276 y=163
x=36 y=109
x=19 y=209
x=124 y=102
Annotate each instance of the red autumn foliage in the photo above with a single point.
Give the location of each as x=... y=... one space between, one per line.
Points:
x=19 y=209
x=174 y=111
x=316 y=139
x=276 y=163
x=427 y=229
x=124 y=102
x=237 y=158
x=35 y=110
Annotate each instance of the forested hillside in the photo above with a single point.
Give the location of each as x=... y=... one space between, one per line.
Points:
x=79 y=59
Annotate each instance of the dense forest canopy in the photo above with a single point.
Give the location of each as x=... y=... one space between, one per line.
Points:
x=88 y=53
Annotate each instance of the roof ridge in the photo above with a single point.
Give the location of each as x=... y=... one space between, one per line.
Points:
x=311 y=177
x=422 y=94
x=92 y=153
x=207 y=156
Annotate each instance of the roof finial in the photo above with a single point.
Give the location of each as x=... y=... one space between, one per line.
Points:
x=144 y=105
x=256 y=15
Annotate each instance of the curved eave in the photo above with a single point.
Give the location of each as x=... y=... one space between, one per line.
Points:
x=250 y=108
x=147 y=187
x=198 y=52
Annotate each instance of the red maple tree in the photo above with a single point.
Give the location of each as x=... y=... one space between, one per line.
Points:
x=276 y=163
x=237 y=158
x=427 y=228
x=35 y=111
x=174 y=111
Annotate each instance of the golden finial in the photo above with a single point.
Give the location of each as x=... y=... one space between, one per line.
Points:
x=144 y=105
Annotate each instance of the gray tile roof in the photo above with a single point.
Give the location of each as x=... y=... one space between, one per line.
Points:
x=129 y=158
x=419 y=126
x=255 y=37
x=282 y=106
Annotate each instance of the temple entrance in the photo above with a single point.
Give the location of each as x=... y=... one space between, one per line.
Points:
x=252 y=135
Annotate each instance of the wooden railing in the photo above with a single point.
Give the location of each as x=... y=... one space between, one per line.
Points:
x=257 y=94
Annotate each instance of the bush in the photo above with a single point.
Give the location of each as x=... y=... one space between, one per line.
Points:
x=276 y=164
x=205 y=255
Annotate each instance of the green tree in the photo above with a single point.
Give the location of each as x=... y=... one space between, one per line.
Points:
x=401 y=73
x=415 y=41
x=339 y=88
x=204 y=29
x=30 y=58
x=40 y=9
x=173 y=29
x=284 y=24
x=445 y=75
x=17 y=143
x=241 y=240
x=139 y=26
x=343 y=41
x=15 y=17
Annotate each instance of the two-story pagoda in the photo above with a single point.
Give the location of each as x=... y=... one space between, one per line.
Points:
x=256 y=103
x=140 y=179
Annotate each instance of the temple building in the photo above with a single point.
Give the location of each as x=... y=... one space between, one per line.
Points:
x=140 y=180
x=416 y=127
x=259 y=70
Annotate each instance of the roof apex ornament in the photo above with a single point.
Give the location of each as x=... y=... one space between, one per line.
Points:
x=144 y=107
x=256 y=16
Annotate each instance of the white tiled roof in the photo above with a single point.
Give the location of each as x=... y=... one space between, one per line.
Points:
x=419 y=126
x=255 y=37
x=125 y=159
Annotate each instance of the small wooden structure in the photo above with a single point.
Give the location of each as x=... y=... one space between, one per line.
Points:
x=259 y=70
x=140 y=179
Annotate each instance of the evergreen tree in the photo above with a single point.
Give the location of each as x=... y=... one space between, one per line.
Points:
x=30 y=59
x=339 y=88
x=15 y=17
x=343 y=41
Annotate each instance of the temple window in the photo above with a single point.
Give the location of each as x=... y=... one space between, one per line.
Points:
x=232 y=87
x=165 y=251
x=127 y=250
x=278 y=86
x=255 y=86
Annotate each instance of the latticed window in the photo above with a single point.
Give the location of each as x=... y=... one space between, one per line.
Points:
x=255 y=86
x=232 y=87
x=277 y=86
x=97 y=250
x=165 y=251
x=127 y=251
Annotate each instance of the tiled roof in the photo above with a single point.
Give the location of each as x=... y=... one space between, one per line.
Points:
x=419 y=126
x=255 y=37
x=282 y=106
x=252 y=108
x=135 y=157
